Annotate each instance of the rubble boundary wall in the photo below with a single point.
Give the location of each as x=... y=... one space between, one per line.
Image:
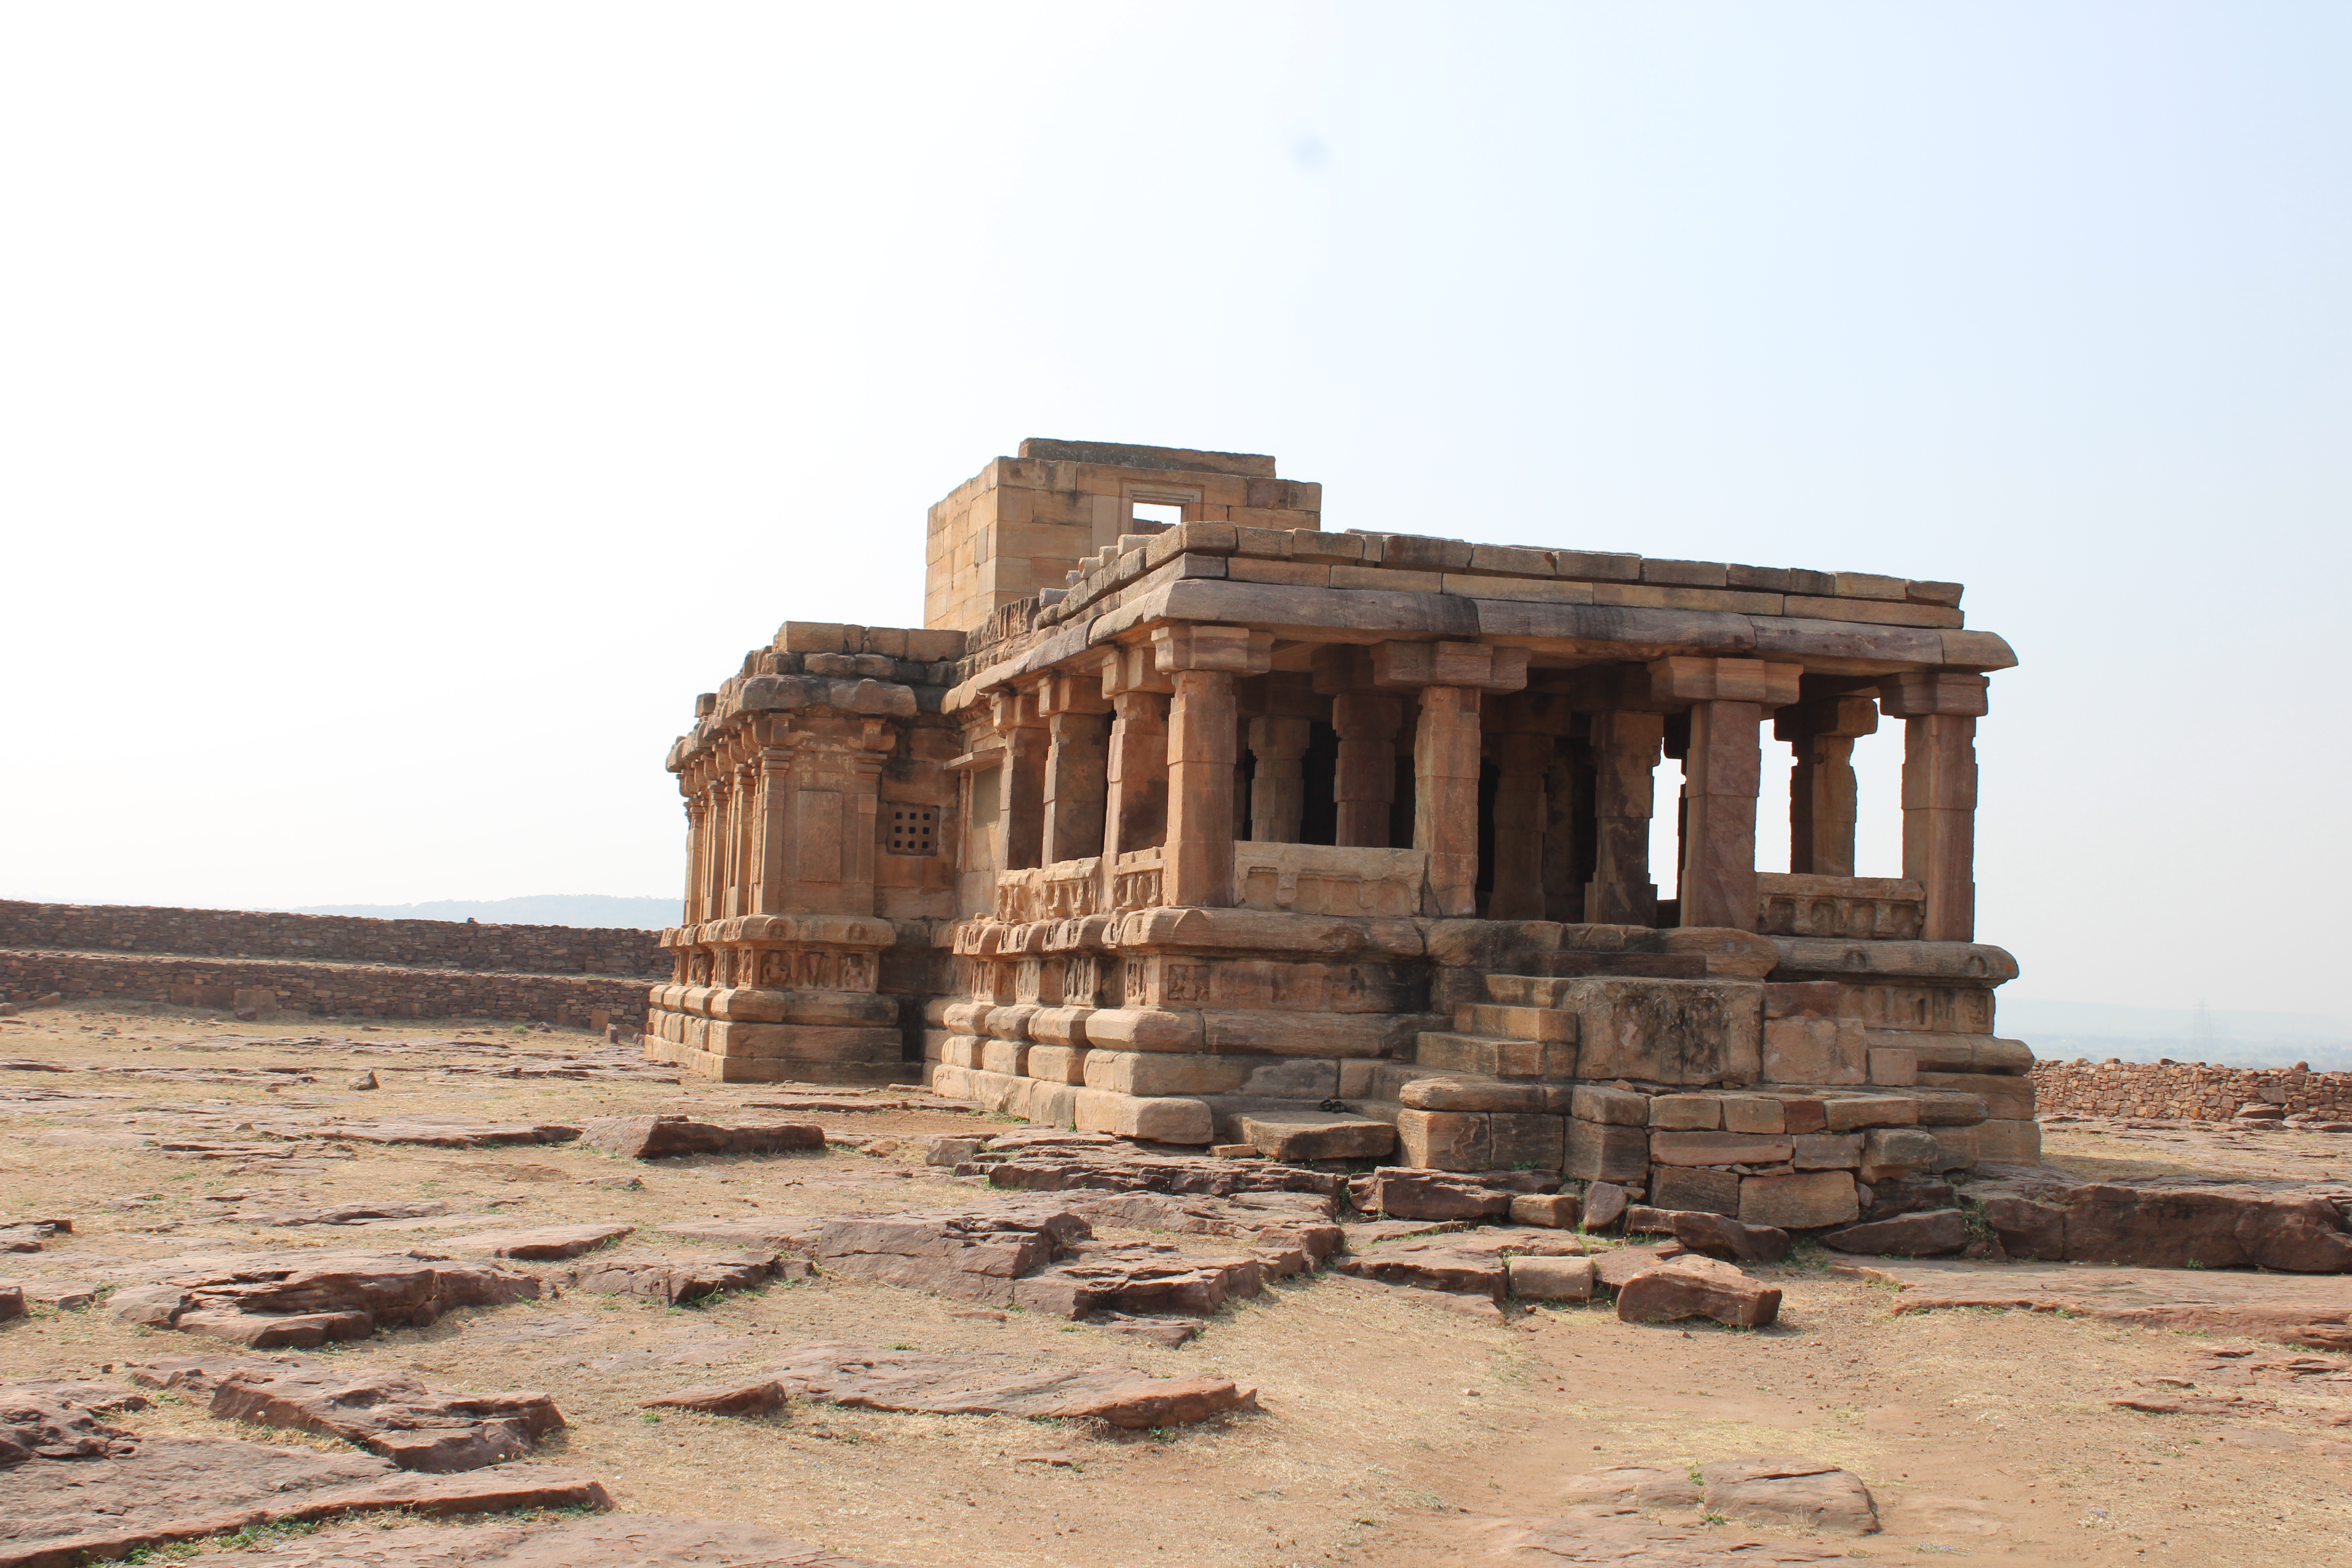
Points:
x=348 y=939
x=2183 y=1091
x=333 y=990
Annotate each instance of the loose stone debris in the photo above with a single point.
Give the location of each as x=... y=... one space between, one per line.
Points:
x=386 y=1412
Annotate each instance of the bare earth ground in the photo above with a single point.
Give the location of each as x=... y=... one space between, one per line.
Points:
x=1393 y=1433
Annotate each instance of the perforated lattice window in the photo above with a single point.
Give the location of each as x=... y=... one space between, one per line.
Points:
x=914 y=830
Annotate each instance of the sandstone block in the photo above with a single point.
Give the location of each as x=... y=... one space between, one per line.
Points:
x=1802 y=1049
x=1614 y=1106
x=1828 y=1150
x=1318 y=1135
x=1429 y=1195
x=1687 y=1188
x=1719 y=1236
x=1790 y=1491
x=1893 y=1152
x=1850 y=1114
x=2008 y=1097
x=1444 y=1140
x=1805 y=1201
x=1604 y=1204
x=1667 y=1031
x=1597 y=1151
x=663 y=1137
x=1719 y=1149
x=1517 y=1140
x=1681 y=1291
x=1551 y=1279
x=1688 y=1112
x=2002 y=1143
x=1754 y=1113
x=1557 y=1210
x=1921 y=1233
x=1894 y=1067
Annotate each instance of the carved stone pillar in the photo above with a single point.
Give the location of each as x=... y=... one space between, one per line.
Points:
x=1135 y=810
x=1278 y=784
x=1625 y=750
x=720 y=833
x=1077 y=767
x=697 y=810
x=1201 y=661
x=739 y=877
x=1020 y=797
x=1822 y=799
x=1721 y=775
x=1454 y=678
x=1568 y=831
x=1364 y=777
x=1521 y=816
x=1939 y=794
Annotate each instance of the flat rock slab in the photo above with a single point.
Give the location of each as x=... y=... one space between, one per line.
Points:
x=443 y=1135
x=1271 y=1219
x=671 y=1277
x=665 y=1137
x=1119 y=1167
x=541 y=1242
x=1923 y=1233
x=334 y=1214
x=269 y=1300
x=151 y=1491
x=1169 y=1333
x=1147 y=1277
x=2310 y=1309
x=992 y=1384
x=973 y=1255
x=1431 y=1266
x=1318 y=1135
x=2042 y=1211
x=1408 y=1193
x=1694 y=1286
x=1621 y=1536
x=783 y=1233
x=62 y=1294
x=387 y=1412
x=1802 y=1492
x=617 y=1541
x=764 y=1396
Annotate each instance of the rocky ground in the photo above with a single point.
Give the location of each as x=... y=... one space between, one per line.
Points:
x=1390 y=1426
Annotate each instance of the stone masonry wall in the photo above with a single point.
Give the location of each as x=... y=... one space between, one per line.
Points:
x=342 y=990
x=2184 y=1091
x=348 y=939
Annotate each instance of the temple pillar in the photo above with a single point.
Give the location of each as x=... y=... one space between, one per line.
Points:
x=697 y=808
x=720 y=833
x=1522 y=816
x=1197 y=867
x=1021 y=789
x=1821 y=795
x=1135 y=805
x=1721 y=775
x=1278 y=783
x=1364 y=785
x=1939 y=794
x=747 y=823
x=1076 y=768
x=1568 y=832
x=1625 y=750
x=1454 y=678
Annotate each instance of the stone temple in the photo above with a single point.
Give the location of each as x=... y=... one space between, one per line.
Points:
x=1192 y=819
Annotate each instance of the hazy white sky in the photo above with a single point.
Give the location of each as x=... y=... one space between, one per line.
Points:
x=406 y=410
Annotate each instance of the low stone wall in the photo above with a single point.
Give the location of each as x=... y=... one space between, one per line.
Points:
x=273 y=988
x=2185 y=1093
x=348 y=939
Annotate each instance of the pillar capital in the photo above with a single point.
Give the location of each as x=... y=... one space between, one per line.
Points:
x=1066 y=692
x=1845 y=717
x=1475 y=666
x=1008 y=710
x=1934 y=693
x=1709 y=680
x=1130 y=666
x=1230 y=650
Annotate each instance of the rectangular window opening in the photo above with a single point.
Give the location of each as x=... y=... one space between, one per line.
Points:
x=1149 y=516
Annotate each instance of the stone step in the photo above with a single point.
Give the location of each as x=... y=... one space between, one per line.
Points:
x=1632 y=966
x=1494 y=1058
x=1548 y=1024
x=1296 y=1135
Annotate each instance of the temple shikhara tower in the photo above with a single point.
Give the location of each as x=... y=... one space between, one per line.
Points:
x=1190 y=817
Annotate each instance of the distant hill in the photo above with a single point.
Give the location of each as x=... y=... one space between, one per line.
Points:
x=2060 y=1031
x=536 y=909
